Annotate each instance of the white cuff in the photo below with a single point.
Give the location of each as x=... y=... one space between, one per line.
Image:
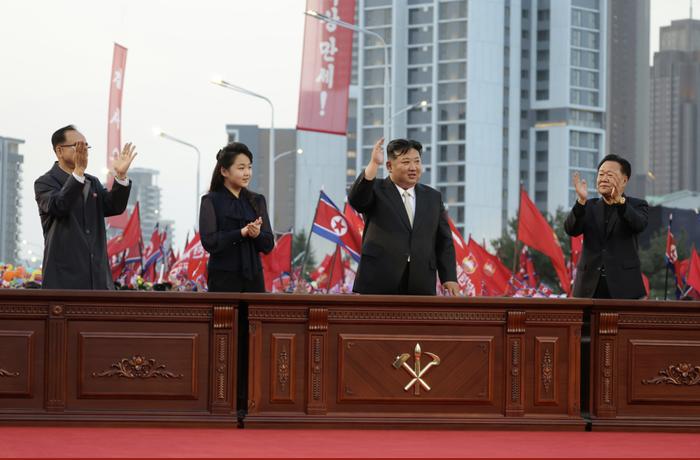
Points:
x=80 y=179
x=124 y=182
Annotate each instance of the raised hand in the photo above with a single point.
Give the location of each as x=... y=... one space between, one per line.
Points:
x=81 y=158
x=376 y=161
x=121 y=164
x=378 y=152
x=581 y=188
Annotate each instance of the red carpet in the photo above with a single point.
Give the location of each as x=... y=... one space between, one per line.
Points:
x=182 y=442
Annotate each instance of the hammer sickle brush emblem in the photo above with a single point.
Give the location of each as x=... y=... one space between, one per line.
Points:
x=416 y=371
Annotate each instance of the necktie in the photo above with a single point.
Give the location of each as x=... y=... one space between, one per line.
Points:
x=408 y=206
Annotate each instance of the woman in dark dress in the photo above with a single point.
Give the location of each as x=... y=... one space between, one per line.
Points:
x=234 y=224
x=235 y=229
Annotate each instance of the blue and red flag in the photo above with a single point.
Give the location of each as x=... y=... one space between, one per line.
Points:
x=330 y=223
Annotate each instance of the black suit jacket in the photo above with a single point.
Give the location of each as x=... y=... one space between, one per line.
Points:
x=75 y=246
x=388 y=239
x=613 y=246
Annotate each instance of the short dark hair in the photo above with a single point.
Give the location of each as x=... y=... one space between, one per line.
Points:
x=398 y=147
x=624 y=164
x=59 y=137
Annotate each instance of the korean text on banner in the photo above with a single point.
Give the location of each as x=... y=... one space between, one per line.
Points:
x=326 y=67
x=114 y=117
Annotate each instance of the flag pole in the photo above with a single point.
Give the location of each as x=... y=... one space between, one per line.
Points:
x=670 y=221
x=517 y=226
x=308 y=243
x=330 y=274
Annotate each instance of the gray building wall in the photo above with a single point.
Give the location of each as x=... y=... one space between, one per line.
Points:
x=145 y=190
x=10 y=204
x=627 y=121
x=674 y=123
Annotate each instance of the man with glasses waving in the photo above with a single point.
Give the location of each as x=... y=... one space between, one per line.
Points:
x=72 y=208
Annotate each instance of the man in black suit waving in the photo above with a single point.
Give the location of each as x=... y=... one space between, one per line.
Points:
x=609 y=265
x=407 y=236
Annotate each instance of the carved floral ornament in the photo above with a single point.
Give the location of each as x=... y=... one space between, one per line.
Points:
x=678 y=374
x=137 y=367
x=5 y=373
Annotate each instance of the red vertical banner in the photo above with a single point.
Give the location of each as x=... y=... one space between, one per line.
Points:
x=114 y=116
x=326 y=67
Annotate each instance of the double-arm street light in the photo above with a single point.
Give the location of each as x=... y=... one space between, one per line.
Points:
x=271 y=154
x=158 y=133
x=346 y=25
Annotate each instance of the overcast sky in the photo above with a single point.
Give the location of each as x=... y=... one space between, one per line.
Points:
x=55 y=62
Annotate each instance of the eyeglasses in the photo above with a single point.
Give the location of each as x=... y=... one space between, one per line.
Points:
x=73 y=146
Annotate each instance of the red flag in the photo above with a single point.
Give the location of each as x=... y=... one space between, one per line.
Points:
x=672 y=258
x=193 y=262
x=331 y=271
x=120 y=221
x=526 y=271
x=693 y=277
x=645 y=281
x=322 y=268
x=114 y=115
x=325 y=71
x=467 y=277
x=576 y=250
x=332 y=225
x=130 y=236
x=492 y=277
x=153 y=253
x=355 y=221
x=534 y=231
x=278 y=261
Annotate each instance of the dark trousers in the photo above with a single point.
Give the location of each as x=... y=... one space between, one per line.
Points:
x=224 y=281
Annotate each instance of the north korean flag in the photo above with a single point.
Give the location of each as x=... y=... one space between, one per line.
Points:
x=331 y=224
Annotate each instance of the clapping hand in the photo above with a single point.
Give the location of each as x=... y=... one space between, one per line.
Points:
x=252 y=230
x=617 y=188
x=81 y=158
x=581 y=188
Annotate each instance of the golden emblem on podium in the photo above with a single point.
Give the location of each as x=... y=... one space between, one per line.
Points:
x=416 y=372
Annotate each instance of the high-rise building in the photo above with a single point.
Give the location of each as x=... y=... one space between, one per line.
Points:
x=675 y=99
x=257 y=139
x=627 y=119
x=515 y=92
x=10 y=204
x=145 y=190
x=563 y=96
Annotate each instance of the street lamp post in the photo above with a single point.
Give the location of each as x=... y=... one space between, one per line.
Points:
x=157 y=132
x=271 y=154
x=280 y=155
x=421 y=104
x=353 y=27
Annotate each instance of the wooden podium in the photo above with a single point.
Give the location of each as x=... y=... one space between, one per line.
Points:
x=348 y=361
x=413 y=361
